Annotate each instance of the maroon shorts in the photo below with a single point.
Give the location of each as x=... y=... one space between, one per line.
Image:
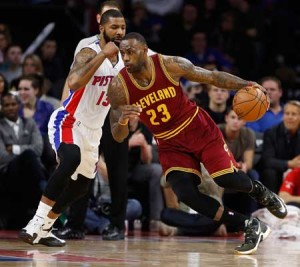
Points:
x=200 y=141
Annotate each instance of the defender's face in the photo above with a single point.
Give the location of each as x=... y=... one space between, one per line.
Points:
x=114 y=30
x=133 y=55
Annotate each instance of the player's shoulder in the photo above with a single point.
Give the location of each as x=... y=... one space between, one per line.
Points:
x=86 y=42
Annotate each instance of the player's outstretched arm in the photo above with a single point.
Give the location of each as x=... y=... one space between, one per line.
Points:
x=182 y=67
x=120 y=112
x=87 y=61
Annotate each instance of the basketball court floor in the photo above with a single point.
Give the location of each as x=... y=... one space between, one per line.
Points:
x=143 y=249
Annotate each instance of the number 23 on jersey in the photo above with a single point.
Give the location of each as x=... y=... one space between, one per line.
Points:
x=161 y=114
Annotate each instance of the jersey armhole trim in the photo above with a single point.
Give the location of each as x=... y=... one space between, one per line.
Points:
x=163 y=67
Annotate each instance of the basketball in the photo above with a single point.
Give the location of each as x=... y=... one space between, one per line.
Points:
x=250 y=103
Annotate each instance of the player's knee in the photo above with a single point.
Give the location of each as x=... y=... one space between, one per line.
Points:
x=238 y=181
x=69 y=156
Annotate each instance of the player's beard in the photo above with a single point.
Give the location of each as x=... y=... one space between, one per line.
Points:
x=108 y=39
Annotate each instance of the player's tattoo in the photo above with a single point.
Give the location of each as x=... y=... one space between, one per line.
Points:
x=182 y=67
x=80 y=66
x=116 y=93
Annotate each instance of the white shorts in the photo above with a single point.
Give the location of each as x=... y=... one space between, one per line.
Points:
x=64 y=128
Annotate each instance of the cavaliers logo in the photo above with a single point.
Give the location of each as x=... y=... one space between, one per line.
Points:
x=226 y=149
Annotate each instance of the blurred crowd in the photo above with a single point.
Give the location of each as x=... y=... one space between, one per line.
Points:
x=256 y=40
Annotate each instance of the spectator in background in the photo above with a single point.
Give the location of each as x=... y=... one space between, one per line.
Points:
x=274 y=114
x=217 y=104
x=290 y=188
x=12 y=65
x=31 y=106
x=21 y=172
x=281 y=147
x=31 y=64
x=52 y=63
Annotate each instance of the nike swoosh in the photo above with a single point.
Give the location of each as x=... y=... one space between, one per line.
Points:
x=258 y=230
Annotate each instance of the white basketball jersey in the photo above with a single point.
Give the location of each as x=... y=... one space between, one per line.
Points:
x=90 y=105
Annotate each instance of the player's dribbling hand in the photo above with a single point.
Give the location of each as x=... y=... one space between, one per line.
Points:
x=258 y=86
x=130 y=112
x=110 y=49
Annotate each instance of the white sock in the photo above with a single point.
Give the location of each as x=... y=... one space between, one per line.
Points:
x=42 y=210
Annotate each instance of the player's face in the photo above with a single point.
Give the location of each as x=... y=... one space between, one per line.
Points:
x=10 y=108
x=114 y=30
x=291 y=117
x=133 y=54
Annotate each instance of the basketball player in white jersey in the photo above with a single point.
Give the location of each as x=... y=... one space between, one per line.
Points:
x=116 y=158
x=75 y=128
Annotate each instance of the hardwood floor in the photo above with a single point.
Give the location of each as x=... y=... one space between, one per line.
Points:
x=148 y=250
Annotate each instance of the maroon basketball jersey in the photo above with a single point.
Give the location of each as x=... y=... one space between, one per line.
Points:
x=166 y=110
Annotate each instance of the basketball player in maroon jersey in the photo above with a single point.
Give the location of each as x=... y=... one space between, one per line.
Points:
x=149 y=87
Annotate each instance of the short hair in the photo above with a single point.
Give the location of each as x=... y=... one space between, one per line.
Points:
x=113 y=4
x=271 y=78
x=137 y=36
x=294 y=103
x=36 y=60
x=9 y=94
x=111 y=13
x=37 y=80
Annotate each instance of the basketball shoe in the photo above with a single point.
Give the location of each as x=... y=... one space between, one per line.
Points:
x=34 y=233
x=255 y=232
x=269 y=200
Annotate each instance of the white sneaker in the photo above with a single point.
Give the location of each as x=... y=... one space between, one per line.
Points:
x=34 y=234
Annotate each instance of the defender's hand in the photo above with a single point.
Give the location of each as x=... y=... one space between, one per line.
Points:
x=110 y=49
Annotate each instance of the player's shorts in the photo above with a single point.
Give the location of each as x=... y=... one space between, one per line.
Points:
x=63 y=128
x=201 y=141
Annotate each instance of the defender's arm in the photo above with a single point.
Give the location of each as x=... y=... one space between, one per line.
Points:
x=87 y=61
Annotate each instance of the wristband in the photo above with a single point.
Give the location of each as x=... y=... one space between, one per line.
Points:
x=249 y=83
x=123 y=124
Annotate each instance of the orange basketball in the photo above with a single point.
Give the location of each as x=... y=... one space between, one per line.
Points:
x=250 y=103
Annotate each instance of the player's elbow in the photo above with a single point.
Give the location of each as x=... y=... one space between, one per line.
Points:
x=73 y=82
